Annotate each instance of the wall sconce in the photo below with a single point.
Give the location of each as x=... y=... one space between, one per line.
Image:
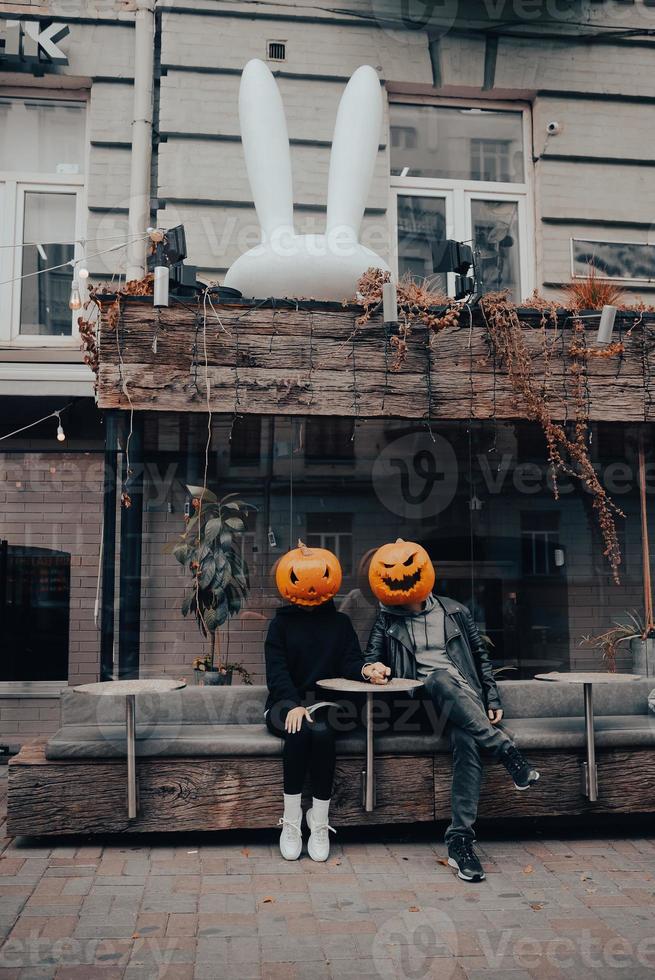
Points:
x=606 y=325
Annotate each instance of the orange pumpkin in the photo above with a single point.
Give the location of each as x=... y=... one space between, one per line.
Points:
x=308 y=576
x=400 y=573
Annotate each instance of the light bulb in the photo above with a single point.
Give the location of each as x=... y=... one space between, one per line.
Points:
x=61 y=435
x=75 y=301
x=83 y=273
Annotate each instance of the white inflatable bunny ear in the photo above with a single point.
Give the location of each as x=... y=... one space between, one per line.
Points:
x=354 y=149
x=266 y=148
x=327 y=266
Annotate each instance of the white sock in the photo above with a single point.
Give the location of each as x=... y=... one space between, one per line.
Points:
x=292 y=809
x=320 y=809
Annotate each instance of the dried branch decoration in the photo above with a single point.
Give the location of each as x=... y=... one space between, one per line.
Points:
x=565 y=455
x=416 y=304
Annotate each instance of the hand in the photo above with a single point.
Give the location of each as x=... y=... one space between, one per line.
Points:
x=294 y=719
x=495 y=715
x=377 y=673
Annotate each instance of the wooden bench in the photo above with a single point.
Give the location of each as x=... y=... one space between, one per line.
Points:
x=206 y=762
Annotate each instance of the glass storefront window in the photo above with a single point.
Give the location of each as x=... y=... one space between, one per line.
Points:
x=530 y=568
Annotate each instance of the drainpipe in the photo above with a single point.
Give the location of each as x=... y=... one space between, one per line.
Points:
x=139 y=211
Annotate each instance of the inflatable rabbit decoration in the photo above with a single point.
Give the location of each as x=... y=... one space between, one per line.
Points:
x=327 y=266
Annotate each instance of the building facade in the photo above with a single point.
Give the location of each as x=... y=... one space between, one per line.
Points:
x=528 y=136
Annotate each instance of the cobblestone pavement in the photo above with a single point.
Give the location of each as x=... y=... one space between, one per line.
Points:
x=214 y=906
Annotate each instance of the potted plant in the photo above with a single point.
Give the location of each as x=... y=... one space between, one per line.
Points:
x=633 y=632
x=220 y=581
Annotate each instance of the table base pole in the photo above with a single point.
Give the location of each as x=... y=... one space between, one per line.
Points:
x=369 y=800
x=589 y=769
x=590 y=790
x=368 y=787
x=130 y=703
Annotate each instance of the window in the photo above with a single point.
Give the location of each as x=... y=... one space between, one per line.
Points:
x=633 y=261
x=462 y=175
x=329 y=440
x=42 y=164
x=539 y=534
x=245 y=444
x=334 y=532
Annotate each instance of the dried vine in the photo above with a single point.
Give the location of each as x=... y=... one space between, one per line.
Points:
x=566 y=455
x=416 y=304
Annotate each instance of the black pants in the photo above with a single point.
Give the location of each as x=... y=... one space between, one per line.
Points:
x=311 y=750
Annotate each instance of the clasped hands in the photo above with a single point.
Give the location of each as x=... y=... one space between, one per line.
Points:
x=377 y=673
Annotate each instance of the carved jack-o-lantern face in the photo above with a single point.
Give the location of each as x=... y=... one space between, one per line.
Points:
x=308 y=576
x=400 y=573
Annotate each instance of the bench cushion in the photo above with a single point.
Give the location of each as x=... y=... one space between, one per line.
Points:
x=222 y=721
x=90 y=741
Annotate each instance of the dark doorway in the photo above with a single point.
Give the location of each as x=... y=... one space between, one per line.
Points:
x=34 y=613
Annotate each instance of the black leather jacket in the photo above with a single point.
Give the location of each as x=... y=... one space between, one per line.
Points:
x=390 y=642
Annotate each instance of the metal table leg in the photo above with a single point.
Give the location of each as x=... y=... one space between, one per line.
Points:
x=131 y=762
x=590 y=770
x=368 y=776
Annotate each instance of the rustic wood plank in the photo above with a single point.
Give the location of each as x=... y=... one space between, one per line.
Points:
x=290 y=361
x=626 y=784
x=89 y=796
x=403 y=395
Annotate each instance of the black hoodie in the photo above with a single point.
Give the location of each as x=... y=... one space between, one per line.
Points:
x=307 y=645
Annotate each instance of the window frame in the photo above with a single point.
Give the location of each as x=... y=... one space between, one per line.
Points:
x=599 y=273
x=13 y=187
x=463 y=191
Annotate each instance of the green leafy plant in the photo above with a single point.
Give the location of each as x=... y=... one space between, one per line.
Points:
x=610 y=641
x=220 y=580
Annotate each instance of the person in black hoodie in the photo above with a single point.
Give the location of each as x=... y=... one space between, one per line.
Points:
x=306 y=643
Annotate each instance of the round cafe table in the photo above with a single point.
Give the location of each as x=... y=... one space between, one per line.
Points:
x=129 y=689
x=394 y=686
x=588 y=679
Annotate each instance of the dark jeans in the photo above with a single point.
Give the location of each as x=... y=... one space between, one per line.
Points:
x=449 y=702
x=311 y=750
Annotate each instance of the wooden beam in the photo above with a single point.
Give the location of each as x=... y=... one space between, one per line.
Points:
x=285 y=361
x=71 y=796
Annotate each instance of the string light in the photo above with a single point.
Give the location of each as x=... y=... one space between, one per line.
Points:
x=73 y=262
x=75 y=301
x=61 y=435
x=83 y=274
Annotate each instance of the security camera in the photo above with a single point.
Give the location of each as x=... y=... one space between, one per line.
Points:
x=553 y=128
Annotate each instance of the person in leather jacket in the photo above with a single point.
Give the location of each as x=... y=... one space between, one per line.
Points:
x=438 y=642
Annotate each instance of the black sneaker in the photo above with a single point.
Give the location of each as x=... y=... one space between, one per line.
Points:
x=523 y=774
x=462 y=856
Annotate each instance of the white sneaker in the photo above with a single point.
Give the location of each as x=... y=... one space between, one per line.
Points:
x=318 y=846
x=290 y=840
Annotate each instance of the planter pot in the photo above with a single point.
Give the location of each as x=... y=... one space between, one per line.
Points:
x=643 y=657
x=212 y=678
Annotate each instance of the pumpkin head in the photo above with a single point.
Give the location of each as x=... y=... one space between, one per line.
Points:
x=308 y=576
x=400 y=573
